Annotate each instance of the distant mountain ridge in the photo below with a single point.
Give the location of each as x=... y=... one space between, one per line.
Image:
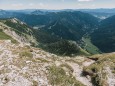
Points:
x=100 y=13
x=51 y=28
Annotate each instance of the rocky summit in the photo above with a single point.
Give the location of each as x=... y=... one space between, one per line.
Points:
x=29 y=66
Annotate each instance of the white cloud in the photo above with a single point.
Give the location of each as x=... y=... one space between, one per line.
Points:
x=93 y=5
x=84 y=0
x=41 y=5
x=80 y=4
x=31 y=4
x=17 y=5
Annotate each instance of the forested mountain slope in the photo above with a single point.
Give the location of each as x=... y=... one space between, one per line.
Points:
x=104 y=36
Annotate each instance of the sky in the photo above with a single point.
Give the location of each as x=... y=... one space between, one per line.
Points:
x=55 y=4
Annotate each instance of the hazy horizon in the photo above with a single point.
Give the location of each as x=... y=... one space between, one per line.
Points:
x=56 y=4
x=60 y=9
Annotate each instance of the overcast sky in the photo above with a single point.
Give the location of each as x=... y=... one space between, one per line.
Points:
x=56 y=4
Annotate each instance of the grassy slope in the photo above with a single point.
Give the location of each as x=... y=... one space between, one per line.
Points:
x=4 y=36
x=83 y=52
x=90 y=47
x=58 y=77
x=21 y=29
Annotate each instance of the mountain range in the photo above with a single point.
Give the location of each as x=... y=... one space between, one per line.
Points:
x=57 y=48
x=51 y=28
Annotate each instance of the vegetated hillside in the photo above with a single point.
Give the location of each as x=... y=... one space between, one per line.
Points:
x=16 y=30
x=54 y=27
x=58 y=46
x=65 y=47
x=4 y=36
x=66 y=26
x=71 y=25
x=13 y=28
x=104 y=36
x=30 y=66
x=75 y=21
x=75 y=17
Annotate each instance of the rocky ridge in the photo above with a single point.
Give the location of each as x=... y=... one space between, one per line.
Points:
x=29 y=66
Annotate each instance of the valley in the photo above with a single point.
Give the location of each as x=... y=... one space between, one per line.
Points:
x=56 y=48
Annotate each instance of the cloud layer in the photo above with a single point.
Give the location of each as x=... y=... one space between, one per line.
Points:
x=84 y=0
x=56 y=4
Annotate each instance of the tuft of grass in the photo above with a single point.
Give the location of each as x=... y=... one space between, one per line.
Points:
x=42 y=60
x=74 y=61
x=113 y=71
x=57 y=77
x=35 y=83
x=26 y=54
x=68 y=67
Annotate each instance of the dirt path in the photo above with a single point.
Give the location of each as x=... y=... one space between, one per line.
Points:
x=78 y=72
x=110 y=77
